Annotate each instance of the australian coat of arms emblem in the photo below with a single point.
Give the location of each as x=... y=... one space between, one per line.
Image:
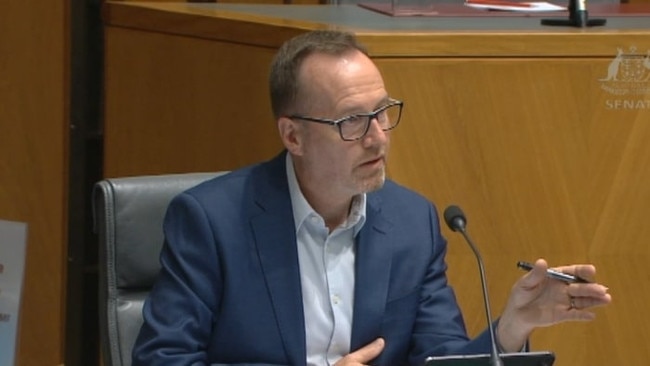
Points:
x=628 y=73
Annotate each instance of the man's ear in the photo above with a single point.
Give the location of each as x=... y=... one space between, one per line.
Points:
x=291 y=135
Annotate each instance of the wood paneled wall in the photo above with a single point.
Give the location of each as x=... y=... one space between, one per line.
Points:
x=33 y=156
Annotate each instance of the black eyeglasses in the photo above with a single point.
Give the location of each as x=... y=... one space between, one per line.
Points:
x=354 y=127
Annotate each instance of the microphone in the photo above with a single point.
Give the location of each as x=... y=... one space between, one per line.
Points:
x=455 y=219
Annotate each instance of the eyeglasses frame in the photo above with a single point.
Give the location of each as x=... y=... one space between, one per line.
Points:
x=372 y=115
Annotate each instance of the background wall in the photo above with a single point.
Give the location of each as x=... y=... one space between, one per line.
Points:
x=33 y=163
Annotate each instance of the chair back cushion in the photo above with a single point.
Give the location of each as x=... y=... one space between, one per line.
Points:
x=128 y=215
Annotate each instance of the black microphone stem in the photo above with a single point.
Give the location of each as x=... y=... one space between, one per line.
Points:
x=495 y=360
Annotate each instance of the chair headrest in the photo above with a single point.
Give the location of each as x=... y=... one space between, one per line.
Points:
x=129 y=213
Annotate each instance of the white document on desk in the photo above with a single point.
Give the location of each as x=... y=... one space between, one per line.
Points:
x=516 y=6
x=13 y=242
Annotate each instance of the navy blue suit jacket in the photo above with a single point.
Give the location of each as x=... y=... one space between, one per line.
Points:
x=229 y=290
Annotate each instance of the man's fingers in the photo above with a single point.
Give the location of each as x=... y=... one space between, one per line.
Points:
x=535 y=276
x=586 y=271
x=368 y=352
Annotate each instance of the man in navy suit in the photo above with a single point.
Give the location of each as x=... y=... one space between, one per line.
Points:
x=314 y=257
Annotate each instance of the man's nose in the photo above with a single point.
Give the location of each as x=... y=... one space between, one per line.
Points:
x=375 y=132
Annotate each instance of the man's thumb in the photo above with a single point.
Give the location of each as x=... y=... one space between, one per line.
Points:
x=370 y=350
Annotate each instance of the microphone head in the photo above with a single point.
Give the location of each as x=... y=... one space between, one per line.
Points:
x=455 y=218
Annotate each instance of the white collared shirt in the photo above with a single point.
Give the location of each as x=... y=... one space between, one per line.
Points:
x=326 y=274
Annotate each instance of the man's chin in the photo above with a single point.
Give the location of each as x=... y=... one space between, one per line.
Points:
x=374 y=183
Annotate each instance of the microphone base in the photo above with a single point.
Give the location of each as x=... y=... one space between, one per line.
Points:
x=577 y=18
x=542 y=358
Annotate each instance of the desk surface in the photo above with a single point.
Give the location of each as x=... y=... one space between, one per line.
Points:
x=459 y=19
x=355 y=17
x=270 y=25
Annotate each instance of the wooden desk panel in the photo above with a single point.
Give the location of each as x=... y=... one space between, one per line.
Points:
x=542 y=168
x=514 y=125
x=176 y=109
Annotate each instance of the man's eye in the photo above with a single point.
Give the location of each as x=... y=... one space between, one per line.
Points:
x=355 y=120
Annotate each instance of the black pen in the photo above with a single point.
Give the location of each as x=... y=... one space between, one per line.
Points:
x=556 y=275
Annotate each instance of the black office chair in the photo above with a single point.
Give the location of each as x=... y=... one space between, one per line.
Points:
x=128 y=216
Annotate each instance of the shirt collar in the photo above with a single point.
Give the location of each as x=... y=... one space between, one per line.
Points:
x=302 y=209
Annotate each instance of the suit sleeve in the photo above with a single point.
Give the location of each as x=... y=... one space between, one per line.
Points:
x=179 y=313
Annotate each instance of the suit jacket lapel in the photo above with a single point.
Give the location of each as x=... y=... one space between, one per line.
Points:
x=274 y=231
x=373 y=264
